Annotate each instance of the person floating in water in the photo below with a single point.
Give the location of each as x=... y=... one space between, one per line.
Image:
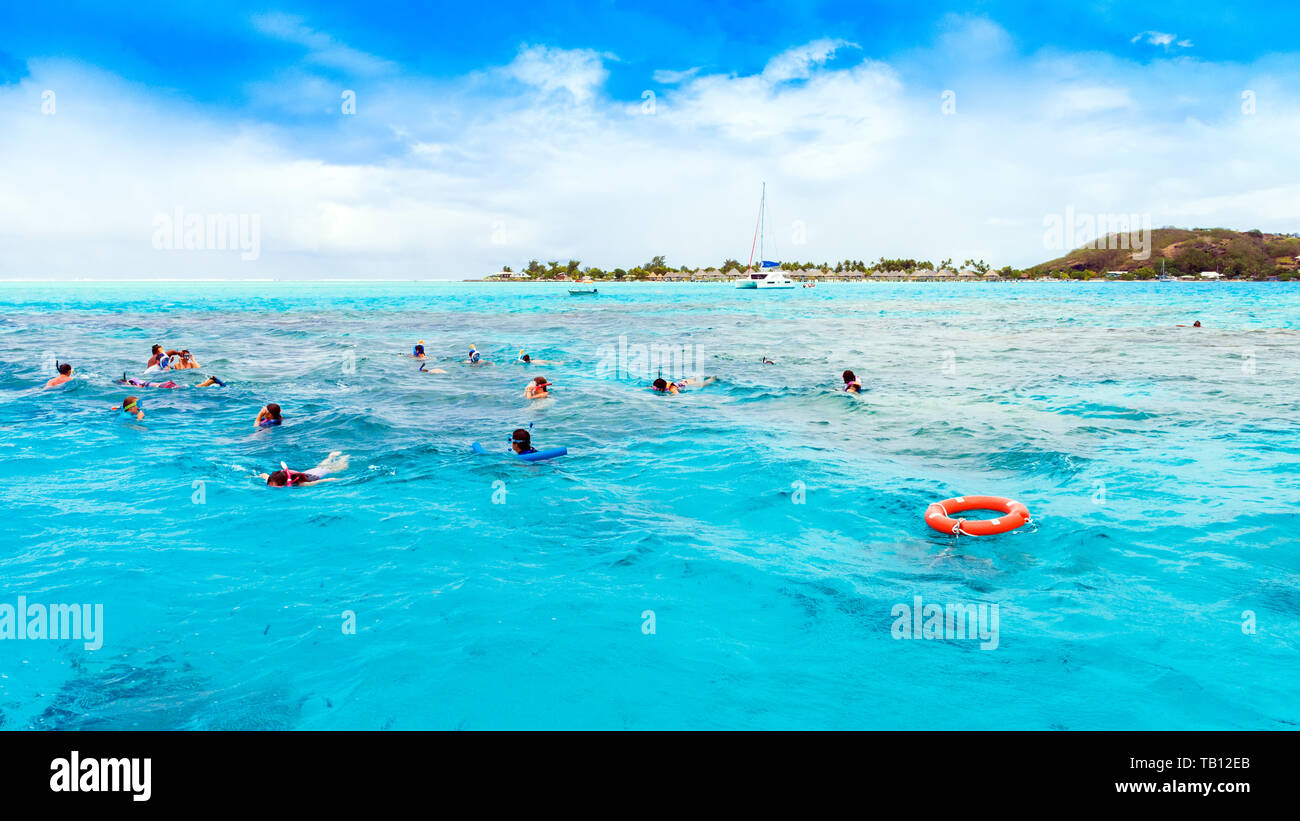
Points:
x=160 y=359
x=131 y=405
x=268 y=416
x=663 y=386
x=537 y=388
x=525 y=359
x=142 y=383
x=183 y=360
x=851 y=383
x=284 y=477
x=767 y=361
x=521 y=442
x=65 y=373
x=424 y=369
x=475 y=358
x=418 y=351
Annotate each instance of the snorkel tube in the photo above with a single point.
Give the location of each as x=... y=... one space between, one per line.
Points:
x=531 y=456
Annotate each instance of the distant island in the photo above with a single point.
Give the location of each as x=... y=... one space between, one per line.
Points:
x=1175 y=253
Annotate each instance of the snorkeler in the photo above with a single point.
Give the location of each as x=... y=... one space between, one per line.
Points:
x=268 y=416
x=131 y=404
x=284 y=477
x=65 y=373
x=525 y=359
x=663 y=386
x=537 y=388
x=767 y=361
x=183 y=361
x=424 y=369
x=851 y=383
x=141 y=383
x=160 y=359
x=418 y=350
x=521 y=441
x=475 y=358
x=210 y=381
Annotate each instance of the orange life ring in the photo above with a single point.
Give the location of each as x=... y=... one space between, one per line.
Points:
x=939 y=515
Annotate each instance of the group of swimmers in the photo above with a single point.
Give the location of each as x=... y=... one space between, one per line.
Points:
x=271 y=415
x=163 y=360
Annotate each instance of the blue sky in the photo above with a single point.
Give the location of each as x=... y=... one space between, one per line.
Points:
x=493 y=133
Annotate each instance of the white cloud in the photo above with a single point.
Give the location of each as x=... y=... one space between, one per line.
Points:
x=427 y=177
x=1084 y=100
x=322 y=49
x=581 y=72
x=972 y=38
x=798 y=63
x=669 y=78
x=1161 y=39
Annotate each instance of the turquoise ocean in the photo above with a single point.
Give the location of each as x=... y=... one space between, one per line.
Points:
x=732 y=557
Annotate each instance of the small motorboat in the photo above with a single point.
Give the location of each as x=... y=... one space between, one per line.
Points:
x=582 y=292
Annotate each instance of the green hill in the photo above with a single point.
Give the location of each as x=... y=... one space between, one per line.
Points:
x=1245 y=254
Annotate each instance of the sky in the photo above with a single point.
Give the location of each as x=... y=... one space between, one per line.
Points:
x=402 y=140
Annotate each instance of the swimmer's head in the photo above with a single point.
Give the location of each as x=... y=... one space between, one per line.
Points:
x=1196 y=324
x=660 y=385
x=65 y=368
x=521 y=440
x=156 y=348
x=278 y=478
x=273 y=409
x=131 y=404
x=849 y=377
x=541 y=380
x=523 y=357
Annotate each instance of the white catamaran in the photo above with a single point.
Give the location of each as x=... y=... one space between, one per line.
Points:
x=769 y=275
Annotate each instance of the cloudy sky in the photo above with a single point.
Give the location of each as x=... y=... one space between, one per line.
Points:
x=416 y=140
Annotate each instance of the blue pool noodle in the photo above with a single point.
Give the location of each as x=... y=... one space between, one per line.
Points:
x=535 y=456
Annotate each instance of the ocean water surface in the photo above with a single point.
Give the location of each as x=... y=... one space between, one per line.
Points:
x=728 y=558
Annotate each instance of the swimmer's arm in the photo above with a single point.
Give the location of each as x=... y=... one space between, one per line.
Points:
x=264 y=476
x=262 y=414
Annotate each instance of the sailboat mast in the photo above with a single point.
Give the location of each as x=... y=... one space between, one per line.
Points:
x=762 y=223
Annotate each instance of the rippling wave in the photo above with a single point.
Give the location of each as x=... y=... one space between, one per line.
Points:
x=768 y=522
